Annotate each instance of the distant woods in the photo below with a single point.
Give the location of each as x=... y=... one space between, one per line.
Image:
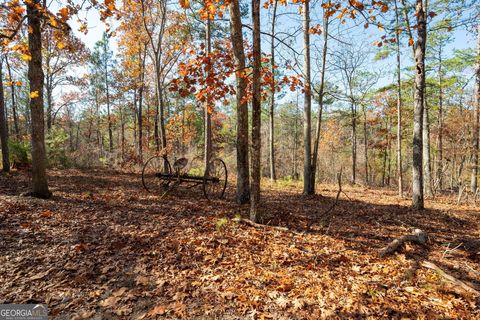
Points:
x=285 y=91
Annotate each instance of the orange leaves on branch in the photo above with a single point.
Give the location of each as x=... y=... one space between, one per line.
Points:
x=185 y=4
x=315 y=29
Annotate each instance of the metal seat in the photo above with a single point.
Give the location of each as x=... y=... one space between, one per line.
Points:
x=179 y=164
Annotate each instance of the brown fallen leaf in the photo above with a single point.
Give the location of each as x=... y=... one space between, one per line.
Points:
x=109 y=302
x=41 y=275
x=142 y=280
x=119 y=292
x=46 y=214
x=159 y=310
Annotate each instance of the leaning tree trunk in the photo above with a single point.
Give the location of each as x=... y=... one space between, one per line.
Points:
x=256 y=115
x=308 y=185
x=35 y=78
x=476 y=127
x=419 y=91
x=243 y=179
x=3 y=126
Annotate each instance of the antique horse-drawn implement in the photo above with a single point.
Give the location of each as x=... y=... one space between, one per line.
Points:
x=158 y=176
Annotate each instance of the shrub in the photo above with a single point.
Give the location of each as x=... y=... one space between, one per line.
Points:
x=20 y=153
x=55 y=144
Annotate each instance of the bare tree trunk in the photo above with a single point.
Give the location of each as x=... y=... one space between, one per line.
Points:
x=365 y=143
x=272 y=101
x=243 y=179
x=140 y=104
x=14 y=104
x=389 y=147
x=3 y=125
x=109 y=118
x=208 y=108
x=353 y=110
x=439 y=166
x=256 y=115
x=295 y=141
x=320 y=98
x=427 y=164
x=476 y=127
x=399 y=107
x=308 y=186
x=35 y=78
x=417 y=170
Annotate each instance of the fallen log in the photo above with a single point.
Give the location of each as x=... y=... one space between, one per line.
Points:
x=454 y=281
x=418 y=236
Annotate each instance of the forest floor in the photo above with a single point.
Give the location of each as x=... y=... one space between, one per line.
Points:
x=103 y=248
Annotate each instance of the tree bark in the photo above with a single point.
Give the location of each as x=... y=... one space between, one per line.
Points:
x=320 y=98
x=256 y=115
x=272 y=101
x=399 y=107
x=308 y=186
x=140 y=103
x=3 y=125
x=35 y=78
x=476 y=126
x=439 y=162
x=208 y=108
x=353 y=110
x=419 y=91
x=365 y=142
x=14 y=104
x=107 y=91
x=427 y=164
x=243 y=179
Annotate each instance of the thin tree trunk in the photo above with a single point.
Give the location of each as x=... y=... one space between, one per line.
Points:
x=208 y=107
x=255 y=215
x=272 y=101
x=439 y=162
x=389 y=147
x=365 y=143
x=3 y=125
x=140 y=105
x=14 y=104
x=399 y=107
x=320 y=97
x=243 y=179
x=295 y=142
x=417 y=163
x=353 y=110
x=427 y=164
x=109 y=119
x=308 y=186
x=35 y=78
x=476 y=126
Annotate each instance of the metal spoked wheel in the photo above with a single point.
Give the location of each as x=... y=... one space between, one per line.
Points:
x=153 y=172
x=215 y=179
